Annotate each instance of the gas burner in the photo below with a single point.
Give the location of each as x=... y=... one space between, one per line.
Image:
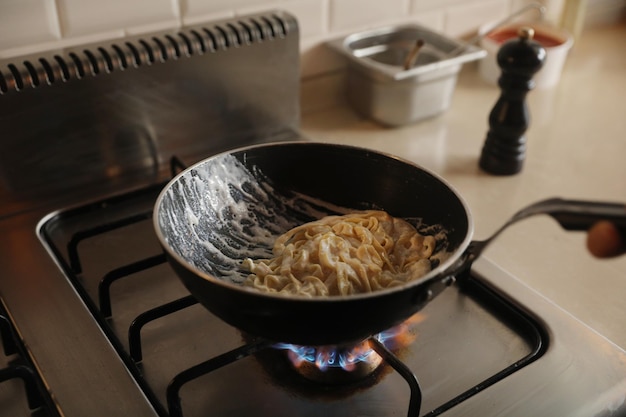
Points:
x=333 y=364
x=341 y=364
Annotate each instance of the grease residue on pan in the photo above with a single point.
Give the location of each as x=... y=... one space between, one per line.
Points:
x=219 y=212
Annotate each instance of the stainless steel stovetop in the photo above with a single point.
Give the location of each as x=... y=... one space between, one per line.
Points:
x=490 y=336
x=108 y=328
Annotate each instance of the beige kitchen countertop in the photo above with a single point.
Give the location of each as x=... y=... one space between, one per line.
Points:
x=576 y=149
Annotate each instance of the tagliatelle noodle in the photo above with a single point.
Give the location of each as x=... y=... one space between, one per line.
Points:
x=342 y=255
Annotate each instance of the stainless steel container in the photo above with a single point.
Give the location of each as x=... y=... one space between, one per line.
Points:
x=379 y=86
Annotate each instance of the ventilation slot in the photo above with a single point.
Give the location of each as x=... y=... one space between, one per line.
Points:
x=78 y=65
x=3 y=84
x=149 y=52
x=175 y=51
x=49 y=72
x=17 y=77
x=227 y=40
x=32 y=72
x=251 y=35
x=63 y=66
x=108 y=62
x=121 y=56
x=239 y=41
x=95 y=60
x=94 y=65
x=203 y=45
x=160 y=48
x=263 y=31
x=218 y=43
x=190 y=50
x=134 y=54
x=277 y=26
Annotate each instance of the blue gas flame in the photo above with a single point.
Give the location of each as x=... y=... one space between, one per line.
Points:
x=326 y=357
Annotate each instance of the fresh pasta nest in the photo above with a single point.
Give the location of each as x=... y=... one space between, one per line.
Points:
x=343 y=255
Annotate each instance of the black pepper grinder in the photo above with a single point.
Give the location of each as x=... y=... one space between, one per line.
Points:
x=504 y=150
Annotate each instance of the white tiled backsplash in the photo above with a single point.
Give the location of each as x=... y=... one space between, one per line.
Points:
x=30 y=26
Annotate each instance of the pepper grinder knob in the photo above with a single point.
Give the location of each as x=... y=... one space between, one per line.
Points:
x=504 y=149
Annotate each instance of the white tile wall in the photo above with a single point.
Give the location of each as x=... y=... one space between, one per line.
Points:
x=348 y=14
x=26 y=22
x=28 y=26
x=85 y=17
x=461 y=20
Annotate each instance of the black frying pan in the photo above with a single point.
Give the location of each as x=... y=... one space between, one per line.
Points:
x=235 y=204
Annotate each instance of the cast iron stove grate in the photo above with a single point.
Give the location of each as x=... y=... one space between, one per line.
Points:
x=19 y=377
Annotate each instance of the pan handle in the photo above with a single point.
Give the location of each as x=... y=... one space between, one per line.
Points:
x=570 y=214
x=581 y=215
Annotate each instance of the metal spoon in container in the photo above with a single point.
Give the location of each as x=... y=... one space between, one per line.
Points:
x=411 y=57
